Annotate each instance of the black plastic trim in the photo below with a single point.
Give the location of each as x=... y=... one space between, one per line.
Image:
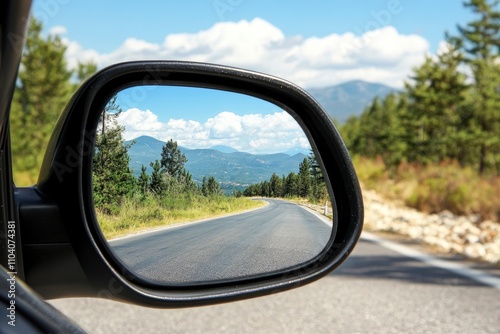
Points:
x=66 y=180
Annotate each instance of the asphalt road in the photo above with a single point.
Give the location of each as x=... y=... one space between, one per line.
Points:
x=377 y=290
x=276 y=236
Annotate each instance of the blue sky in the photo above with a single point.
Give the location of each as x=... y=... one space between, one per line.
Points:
x=203 y=118
x=104 y=25
x=315 y=43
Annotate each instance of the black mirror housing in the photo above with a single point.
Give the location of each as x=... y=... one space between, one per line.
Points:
x=66 y=182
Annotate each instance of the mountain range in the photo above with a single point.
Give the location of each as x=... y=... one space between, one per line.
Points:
x=234 y=170
x=349 y=98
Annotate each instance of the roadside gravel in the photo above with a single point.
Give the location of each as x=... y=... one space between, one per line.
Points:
x=446 y=232
x=449 y=233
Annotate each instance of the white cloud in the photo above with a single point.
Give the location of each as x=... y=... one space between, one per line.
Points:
x=382 y=55
x=58 y=30
x=75 y=53
x=251 y=133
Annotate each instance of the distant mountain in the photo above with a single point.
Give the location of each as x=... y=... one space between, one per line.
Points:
x=294 y=151
x=223 y=149
x=349 y=98
x=233 y=169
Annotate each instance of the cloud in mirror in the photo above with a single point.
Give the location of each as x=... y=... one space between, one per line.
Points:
x=215 y=118
x=200 y=185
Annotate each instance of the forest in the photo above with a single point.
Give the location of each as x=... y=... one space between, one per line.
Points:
x=438 y=139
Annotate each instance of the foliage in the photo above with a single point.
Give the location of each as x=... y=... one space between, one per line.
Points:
x=156 y=185
x=440 y=116
x=172 y=159
x=112 y=177
x=210 y=187
x=41 y=93
x=44 y=87
x=143 y=181
x=480 y=42
x=308 y=183
x=434 y=99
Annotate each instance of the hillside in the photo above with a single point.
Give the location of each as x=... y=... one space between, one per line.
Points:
x=349 y=98
x=234 y=170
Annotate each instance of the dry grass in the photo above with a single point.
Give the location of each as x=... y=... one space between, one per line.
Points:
x=434 y=188
x=136 y=216
x=24 y=178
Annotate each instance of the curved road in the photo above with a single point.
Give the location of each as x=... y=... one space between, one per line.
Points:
x=276 y=236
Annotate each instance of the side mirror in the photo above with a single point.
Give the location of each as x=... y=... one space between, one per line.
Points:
x=157 y=271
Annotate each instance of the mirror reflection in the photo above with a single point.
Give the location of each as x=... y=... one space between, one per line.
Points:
x=195 y=185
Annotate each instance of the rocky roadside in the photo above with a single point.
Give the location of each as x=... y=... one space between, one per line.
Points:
x=448 y=233
x=444 y=231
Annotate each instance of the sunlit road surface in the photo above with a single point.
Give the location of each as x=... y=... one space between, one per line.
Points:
x=377 y=290
x=276 y=236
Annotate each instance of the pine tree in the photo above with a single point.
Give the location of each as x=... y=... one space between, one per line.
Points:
x=44 y=87
x=480 y=40
x=291 y=185
x=156 y=185
x=369 y=130
x=435 y=96
x=318 y=185
x=84 y=71
x=186 y=182
x=112 y=177
x=210 y=187
x=304 y=179
x=172 y=159
x=276 y=186
x=42 y=91
x=143 y=181
x=391 y=140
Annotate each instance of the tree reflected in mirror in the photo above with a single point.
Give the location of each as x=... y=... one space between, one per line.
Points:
x=196 y=185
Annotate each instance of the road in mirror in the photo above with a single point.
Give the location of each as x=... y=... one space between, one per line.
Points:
x=200 y=185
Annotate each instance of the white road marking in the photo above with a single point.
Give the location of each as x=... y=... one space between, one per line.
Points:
x=460 y=269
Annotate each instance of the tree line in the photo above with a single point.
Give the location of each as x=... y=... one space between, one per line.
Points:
x=113 y=180
x=449 y=108
x=308 y=183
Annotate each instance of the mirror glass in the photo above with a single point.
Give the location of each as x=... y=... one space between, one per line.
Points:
x=200 y=185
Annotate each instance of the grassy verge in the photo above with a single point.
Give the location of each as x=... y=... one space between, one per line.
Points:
x=315 y=206
x=434 y=188
x=150 y=212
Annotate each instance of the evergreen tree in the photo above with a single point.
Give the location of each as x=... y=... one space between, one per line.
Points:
x=369 y=130
x=84 y=71
x=210 y=187
x=392 y=144
x=143 y=181
x=156 y=185
x=304 y=179
x=351 y=133
x=480 y=40
x=44 y=87
x=172 y=159
x=435 y=96
x=276 y=186
x=265 y=189
x=112 y=177
x=318 y=185
x=291 y=185
x=186 y=181
x=42 y=91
